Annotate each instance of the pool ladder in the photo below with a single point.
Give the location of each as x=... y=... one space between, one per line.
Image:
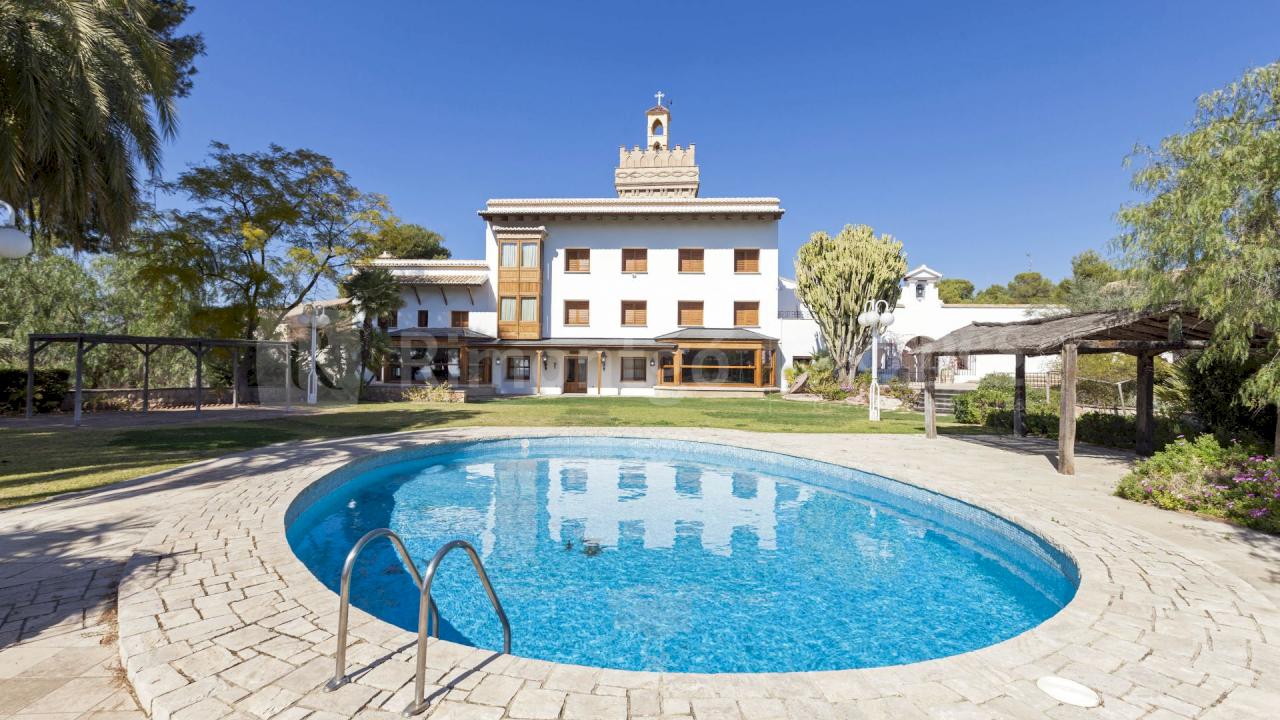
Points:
x=428 y=615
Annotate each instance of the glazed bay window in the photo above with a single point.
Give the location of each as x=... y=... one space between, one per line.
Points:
x=507 y=309
x=635 y=260
x=577 y=312
x=529 y=254
x=689 y=313
x=577 y=260
x=510 y=254
x=746 y=313
x=633 y=369
x=518 y=367
x=691 y=260
x=635 y=313
x=718 y=366
x=746 y=260
x=528 y=310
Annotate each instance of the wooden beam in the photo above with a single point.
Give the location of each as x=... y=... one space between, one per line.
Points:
x=1067 y=413
x=1136 y=346
x=1020 y=395
x=235 y=377
x=443 y=296
x=146 y=378
x=759 y=376
x=930 y=402
x=199 y=351
x=1145 y=442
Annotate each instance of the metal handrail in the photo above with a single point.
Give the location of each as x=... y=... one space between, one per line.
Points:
x=425 y=604
x=344 y=603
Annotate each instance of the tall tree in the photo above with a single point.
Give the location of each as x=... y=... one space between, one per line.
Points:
x=265 y=229
x=1208 y=236
x=955 y=290
x=88 y=89
x=407 y=241
x=836 y=276
x=1091 y=285
x=375 y=293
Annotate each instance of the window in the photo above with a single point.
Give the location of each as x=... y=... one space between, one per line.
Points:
x=577 y=312
x=577 y=260
x=529 y=254
x=746 y=260
x=635 y=260
x=690 y=312
x=690 y=260
x=633 y=369
x=518 y=367
x=635 y=312
x=528 y=309
x=508 y=309
x=746 y=313
x=424 y=318
x=919 y=291
x=510 y=254
x=459 y=319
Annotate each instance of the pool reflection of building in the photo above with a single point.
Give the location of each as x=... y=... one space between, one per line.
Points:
x=613 y=502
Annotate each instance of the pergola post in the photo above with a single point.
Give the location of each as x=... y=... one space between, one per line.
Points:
x=288 y=376
x=537 y=369
x=146 y=377
x=1145 y=442
x=930 y=402
x=79 y=396
x=235 y=377
x=31 y=376
x=1067 y=413
x=199 y=351
x=1019 y=395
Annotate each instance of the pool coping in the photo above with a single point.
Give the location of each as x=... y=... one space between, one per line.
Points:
x=218 y=616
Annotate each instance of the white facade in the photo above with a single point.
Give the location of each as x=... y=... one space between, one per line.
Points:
x=554 y=306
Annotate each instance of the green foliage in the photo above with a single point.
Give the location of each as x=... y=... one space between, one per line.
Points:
x=406 y=240
x=1089 y=287
x=164 y=18
x=430 y=393
x=955 y=290
x=266 y=227
x=1208 y=477
x=901 y=390
x=1211 y=392
x=836 y=276
x=89 y=92
x=49 y=389
x=822 y=379
x=1208 y=235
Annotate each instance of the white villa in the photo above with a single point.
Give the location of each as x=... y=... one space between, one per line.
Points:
x=657 y=291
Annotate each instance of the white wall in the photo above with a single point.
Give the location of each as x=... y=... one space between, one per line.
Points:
x=480 y=304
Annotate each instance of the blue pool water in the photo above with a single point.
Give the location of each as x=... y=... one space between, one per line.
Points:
x=684 y=557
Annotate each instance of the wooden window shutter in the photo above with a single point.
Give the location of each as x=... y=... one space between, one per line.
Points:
x=746 y=313
x=635 y=260
x=423 y=318
x=691 y=260
x=460 y=318
x=577 y=260
x=690 y=312
x=635 y=312
x=746 y=260
x=577 y=312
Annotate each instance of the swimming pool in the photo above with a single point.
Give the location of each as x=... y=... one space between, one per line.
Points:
x=681 y=556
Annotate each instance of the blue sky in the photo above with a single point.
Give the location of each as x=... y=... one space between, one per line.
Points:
x=988 y=137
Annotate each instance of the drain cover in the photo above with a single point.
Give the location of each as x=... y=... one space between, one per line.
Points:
x=1069 y=692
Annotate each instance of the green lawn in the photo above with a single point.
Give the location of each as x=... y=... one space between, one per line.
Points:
x=36 y=464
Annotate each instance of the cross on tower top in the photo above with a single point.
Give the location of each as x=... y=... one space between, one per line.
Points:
x=659 y=95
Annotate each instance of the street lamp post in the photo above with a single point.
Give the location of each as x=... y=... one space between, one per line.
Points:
x=13 y=242
x=878 y=316
x=316 y=319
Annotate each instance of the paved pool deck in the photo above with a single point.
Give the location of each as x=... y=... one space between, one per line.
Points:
x=176 y=596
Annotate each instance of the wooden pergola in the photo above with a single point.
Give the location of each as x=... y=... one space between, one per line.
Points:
x=145 y=345
x=1141 y=334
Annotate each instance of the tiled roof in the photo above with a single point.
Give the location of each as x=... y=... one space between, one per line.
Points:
x=442 y=278
x=705 y=333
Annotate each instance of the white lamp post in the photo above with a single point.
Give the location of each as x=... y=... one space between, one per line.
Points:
x=13 y=242
x=314 y=318
x=878 y=316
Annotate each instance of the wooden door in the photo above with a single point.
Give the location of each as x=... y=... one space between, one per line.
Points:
x=575 y=374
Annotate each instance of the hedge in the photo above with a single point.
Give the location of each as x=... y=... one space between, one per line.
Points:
x=50 y=387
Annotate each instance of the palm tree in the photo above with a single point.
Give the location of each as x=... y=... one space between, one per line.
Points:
x=375 y=292
x=87 y=91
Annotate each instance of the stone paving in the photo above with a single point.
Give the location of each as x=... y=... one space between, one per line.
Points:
x=217 y=618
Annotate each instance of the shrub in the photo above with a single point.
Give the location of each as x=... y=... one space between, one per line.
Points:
x=51 y=387
x=1209 y=477
x=429 y=393
x=900 y=389
x=997 y=381
x=1212 y=395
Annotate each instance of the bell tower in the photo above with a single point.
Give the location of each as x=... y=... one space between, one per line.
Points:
x=658 y=120
x=658 y=169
